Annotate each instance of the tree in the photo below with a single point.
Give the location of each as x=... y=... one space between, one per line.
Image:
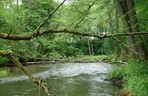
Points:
x=130 y=20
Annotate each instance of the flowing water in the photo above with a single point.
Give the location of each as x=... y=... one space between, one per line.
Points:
x=70 y=79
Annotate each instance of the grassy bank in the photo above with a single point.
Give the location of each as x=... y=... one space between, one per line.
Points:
x=133 y=78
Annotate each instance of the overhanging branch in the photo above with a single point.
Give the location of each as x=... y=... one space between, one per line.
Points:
x=127 y=34
x=49 y=31
x=33 y=35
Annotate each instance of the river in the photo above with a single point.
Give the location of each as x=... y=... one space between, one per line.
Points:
x=70 y=79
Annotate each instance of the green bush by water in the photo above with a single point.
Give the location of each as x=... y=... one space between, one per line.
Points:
x=3 y=60
x=134 y=76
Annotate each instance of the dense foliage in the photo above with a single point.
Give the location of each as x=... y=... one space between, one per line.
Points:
x=134 y=76
x=24 y=16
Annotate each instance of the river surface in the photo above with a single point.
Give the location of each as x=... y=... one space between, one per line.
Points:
x=70 y=79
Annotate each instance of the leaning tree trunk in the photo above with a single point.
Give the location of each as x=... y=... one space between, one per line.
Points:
x=119 y=51
x=127 y=9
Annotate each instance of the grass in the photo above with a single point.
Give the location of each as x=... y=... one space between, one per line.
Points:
x=134 y=76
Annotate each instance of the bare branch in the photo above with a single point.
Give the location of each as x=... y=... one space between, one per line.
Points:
x=33 y=35
x=78 y=10
x=89 y=7
x=49 y=16
x=128 y=34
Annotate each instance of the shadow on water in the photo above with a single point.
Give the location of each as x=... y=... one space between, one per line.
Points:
x=71 y=79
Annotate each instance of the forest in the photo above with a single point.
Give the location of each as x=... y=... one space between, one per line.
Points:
x=40 y=32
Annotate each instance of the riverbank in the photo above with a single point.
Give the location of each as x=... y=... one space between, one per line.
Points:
x=132 y=78
x=80 y=59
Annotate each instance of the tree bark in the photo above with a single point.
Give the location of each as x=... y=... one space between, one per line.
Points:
x=89 y=48
x=29 y=12
x=119 y=51
x=127 y=8
x=17 y=3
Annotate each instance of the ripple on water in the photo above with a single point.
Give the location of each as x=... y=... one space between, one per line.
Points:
x=71 y=79
x=66 y=70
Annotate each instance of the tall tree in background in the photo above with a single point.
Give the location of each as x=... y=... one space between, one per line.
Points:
x=17 y=3
x=29 y=12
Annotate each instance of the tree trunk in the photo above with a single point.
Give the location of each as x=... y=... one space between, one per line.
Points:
x=29 y=12
x=17 y=3
x=127 y=9
x=92 y=47
x=116 y=29
x=89 y=47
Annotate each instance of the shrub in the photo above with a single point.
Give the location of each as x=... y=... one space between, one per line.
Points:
x=134 y=76
x=3 y=60
x=117 y=72
x=137 y=85
x=55 y=55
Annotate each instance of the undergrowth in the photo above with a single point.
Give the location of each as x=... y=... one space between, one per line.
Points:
x=134 y=76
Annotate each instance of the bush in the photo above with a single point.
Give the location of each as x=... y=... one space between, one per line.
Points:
x=3 y=60
x=136 y=69
x=137 y=85
x=117 y=72
x=55 y=56
x=134 y=76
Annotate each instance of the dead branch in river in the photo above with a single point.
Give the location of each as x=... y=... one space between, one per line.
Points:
x=39 y=82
